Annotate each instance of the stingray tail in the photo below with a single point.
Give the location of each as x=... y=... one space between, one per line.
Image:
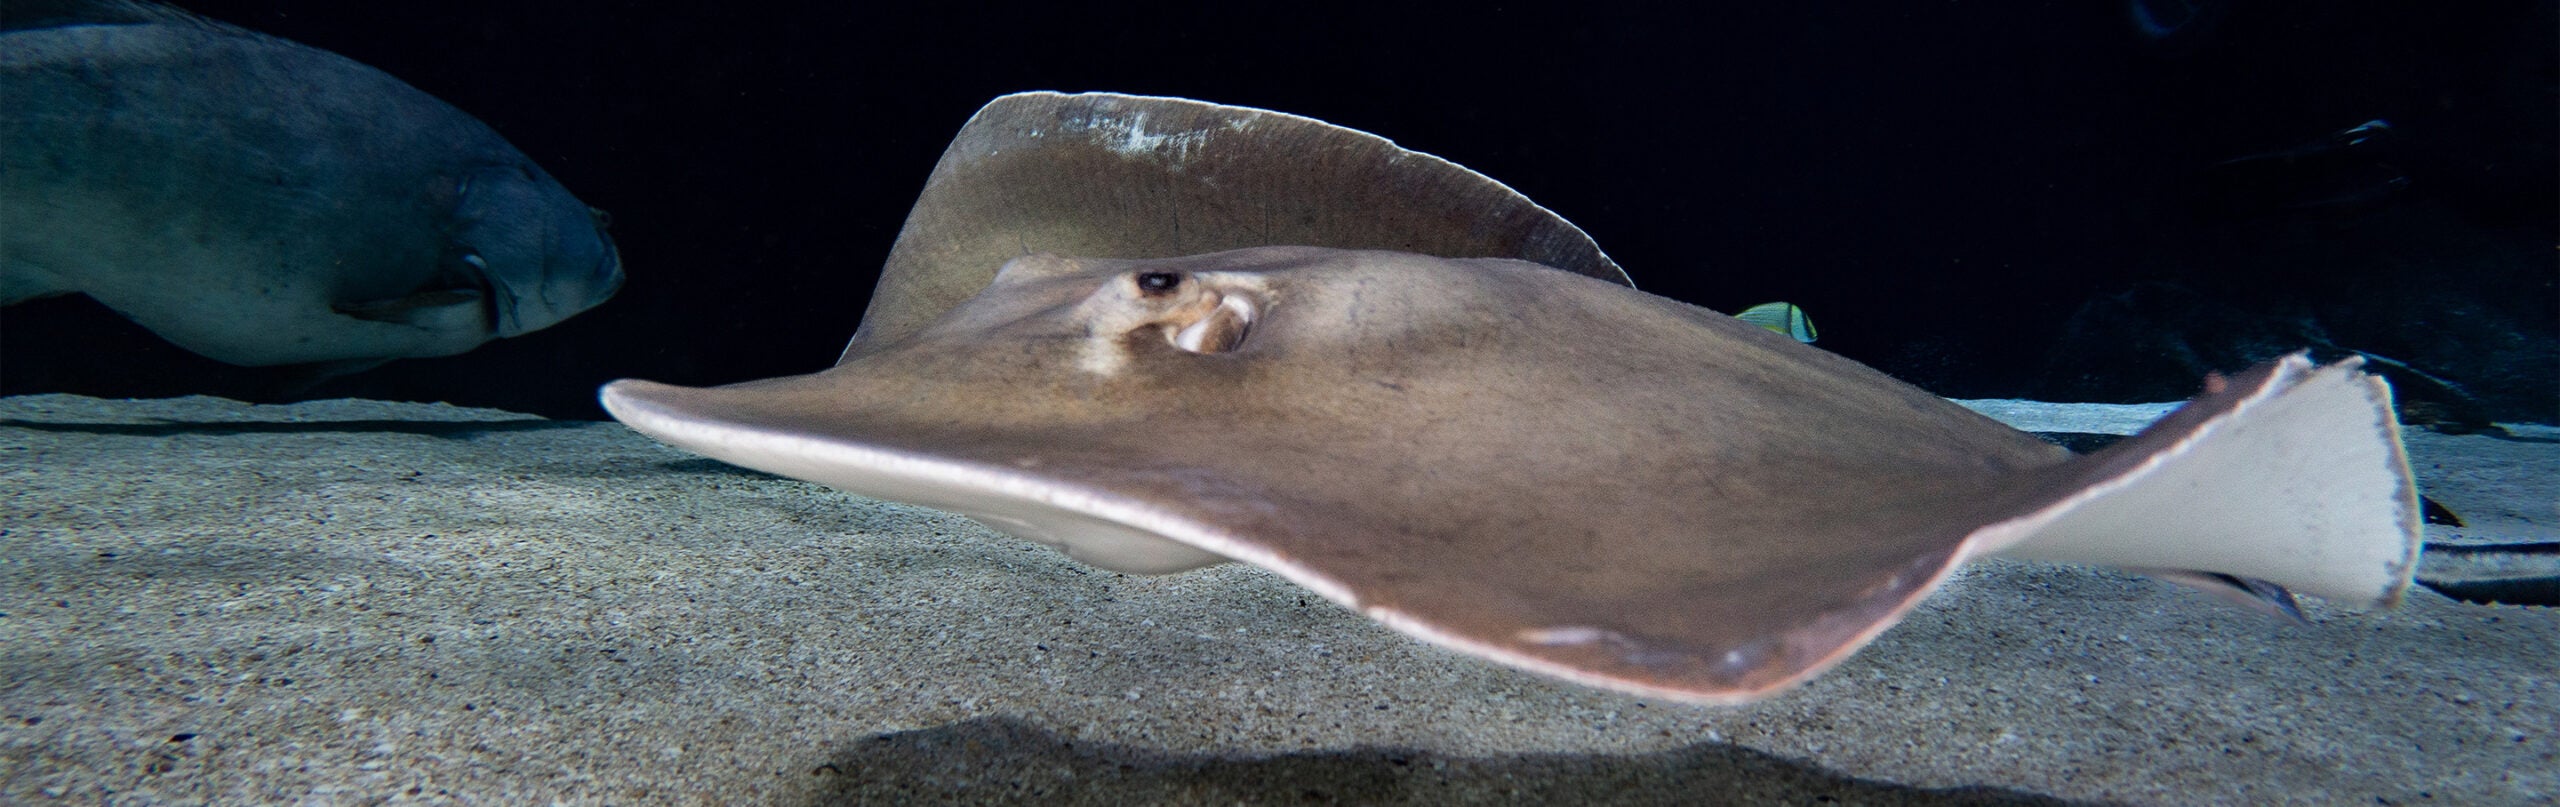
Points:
x=2288 y=476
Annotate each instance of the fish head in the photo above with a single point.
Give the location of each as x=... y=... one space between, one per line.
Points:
x=539 y=254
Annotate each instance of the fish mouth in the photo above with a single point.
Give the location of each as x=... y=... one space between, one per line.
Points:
x=608 y=267
x=459 y=285
x=538 y=255
x=557 y=294
x=470 y=274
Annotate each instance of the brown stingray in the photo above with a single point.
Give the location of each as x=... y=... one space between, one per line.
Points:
x=1538 y=467
x=1102 y=175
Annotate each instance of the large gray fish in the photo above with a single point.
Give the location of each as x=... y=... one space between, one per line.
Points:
x=261 y=202
x=1544 y=468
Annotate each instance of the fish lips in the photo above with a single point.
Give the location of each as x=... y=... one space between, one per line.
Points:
x=540 y=254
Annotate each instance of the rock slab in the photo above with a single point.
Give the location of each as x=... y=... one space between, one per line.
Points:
x=352 y=601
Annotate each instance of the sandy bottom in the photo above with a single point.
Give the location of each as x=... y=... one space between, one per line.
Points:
x=206 y=601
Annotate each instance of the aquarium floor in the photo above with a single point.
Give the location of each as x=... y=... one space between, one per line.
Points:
x=355 y=601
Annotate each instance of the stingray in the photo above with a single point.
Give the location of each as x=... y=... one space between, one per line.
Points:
x=1159 y=334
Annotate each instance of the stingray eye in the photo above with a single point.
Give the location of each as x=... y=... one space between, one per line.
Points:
x=1158 y=282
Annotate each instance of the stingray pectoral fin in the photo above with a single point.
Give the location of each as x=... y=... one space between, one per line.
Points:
x=2289 y=474
x=739 y=429
x=1099 y=542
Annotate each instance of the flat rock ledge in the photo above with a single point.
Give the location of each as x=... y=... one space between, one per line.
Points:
x=355 y=601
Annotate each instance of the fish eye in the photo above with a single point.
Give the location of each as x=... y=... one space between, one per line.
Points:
x=1158 y=282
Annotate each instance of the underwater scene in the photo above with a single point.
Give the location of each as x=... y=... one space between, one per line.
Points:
x=2124 y=402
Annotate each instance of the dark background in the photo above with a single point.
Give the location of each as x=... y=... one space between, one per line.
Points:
x=1986 y=198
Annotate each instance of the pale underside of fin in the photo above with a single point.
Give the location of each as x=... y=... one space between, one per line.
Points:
x=1605 y=487
x=2290 y=474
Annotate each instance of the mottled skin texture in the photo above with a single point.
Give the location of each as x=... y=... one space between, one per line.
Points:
x=1488 y=445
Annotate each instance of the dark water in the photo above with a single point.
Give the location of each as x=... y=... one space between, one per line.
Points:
x=1989 y=199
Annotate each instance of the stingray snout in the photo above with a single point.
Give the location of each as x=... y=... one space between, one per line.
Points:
x=1203 y=318
x=1197 y=312
x=1218 y=330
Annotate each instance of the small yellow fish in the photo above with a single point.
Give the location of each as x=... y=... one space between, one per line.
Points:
x=1784 y=318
